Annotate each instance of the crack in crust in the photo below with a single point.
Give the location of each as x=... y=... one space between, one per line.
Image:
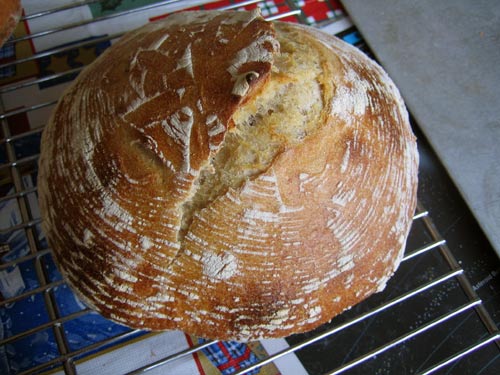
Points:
x=264 y=126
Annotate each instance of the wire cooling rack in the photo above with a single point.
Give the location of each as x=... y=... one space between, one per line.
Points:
x=428 y=320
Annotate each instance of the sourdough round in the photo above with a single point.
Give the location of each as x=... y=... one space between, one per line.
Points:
x=10 y=13
x=227 y=176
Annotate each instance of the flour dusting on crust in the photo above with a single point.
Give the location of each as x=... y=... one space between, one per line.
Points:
x=311 y=215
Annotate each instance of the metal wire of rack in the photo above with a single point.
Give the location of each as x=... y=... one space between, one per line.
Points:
x=429 y=272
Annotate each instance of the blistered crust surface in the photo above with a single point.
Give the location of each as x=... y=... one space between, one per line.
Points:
x=321 y=229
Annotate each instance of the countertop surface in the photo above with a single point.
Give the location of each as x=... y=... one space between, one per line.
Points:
x=445 y=59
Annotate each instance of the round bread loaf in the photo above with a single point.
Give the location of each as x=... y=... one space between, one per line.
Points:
x=10 y=13
x=229 y=177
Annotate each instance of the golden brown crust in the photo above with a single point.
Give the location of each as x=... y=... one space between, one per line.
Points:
x=319 y=230
x=10 y=13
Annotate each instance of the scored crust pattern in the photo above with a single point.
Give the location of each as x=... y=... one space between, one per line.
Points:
x=319 y=230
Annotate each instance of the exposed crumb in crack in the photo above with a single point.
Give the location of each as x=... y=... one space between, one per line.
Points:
x=282 y=114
